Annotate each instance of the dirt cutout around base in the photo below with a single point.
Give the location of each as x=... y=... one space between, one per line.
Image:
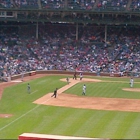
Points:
x=5 y=115
x=84 y=102
x=132 y=89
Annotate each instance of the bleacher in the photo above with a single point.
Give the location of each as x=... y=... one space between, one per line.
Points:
x=84 y=24
x=6 y=4
x=88 y=5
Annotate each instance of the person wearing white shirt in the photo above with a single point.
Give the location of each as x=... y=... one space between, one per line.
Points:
x=84 y=90
x=131 y=82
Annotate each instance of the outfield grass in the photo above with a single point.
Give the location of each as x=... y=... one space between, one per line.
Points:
x=32 y=118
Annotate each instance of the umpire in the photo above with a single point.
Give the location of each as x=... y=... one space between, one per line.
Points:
x=55 y=93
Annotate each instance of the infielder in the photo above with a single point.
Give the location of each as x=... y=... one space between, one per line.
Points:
x=75 y=75
x=84 y=90
x=67 y=79
x=81 y=75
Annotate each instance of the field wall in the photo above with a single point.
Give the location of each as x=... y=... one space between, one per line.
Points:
x=63 y=72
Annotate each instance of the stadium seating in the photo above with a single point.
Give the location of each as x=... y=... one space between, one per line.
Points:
x=135 y=5
x=26 y=4
x=5 y=4
x=57 y=49
x=108 y=5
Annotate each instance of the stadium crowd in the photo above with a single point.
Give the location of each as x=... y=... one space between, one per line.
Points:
x=73 y=4
x=57 y=49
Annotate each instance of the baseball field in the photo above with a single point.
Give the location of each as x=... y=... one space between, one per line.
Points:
x=110 y=109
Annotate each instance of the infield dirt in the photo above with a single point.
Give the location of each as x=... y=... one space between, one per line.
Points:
x=96 y=103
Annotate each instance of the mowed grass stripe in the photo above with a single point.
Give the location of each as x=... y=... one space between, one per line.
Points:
x=90 y=91
x=133 y=131
x=86 y=118
x=51 y=119
x=105 y=90
x=79 y=119
x=86 y=129
x=93 y=88
x=56 y=119
x=76 y=89
x=126 y=120
x=34 y=120
x=100 y=126
x=113 y=90
x=45 y=114
x=114 y=124
x=67 y=117
x=100 y=89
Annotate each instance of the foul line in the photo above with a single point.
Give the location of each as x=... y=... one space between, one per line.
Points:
x=23 y=115
x=35 y=107
x=34 y=91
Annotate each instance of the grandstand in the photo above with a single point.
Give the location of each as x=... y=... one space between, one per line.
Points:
x=86 y=35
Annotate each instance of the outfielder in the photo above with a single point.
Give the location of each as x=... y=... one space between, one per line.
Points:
x=131 y=82
x=28 y=88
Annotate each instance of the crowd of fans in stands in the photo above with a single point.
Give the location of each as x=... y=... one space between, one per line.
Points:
x=57 y=49
x=72 y=4
x=5 y=3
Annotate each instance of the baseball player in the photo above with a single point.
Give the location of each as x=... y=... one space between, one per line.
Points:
x=67 y=79
x=28 y=88
x=75 y=76
x=22 y=76
x=81 y=75
x=131 y=82
x=84 y=90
